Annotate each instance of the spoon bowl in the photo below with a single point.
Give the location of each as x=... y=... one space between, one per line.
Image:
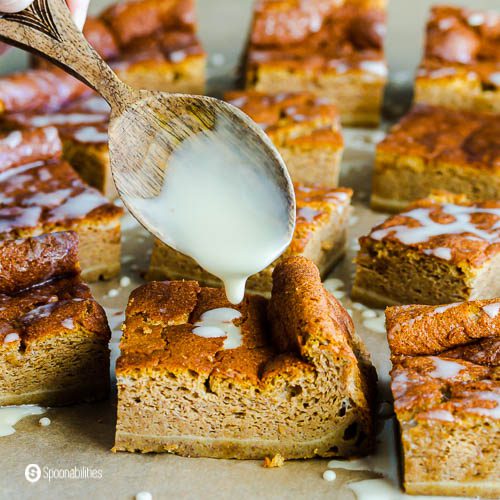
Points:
x=156 y=124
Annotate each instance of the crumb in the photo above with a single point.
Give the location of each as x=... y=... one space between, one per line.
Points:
x=276 y=461
x=44 y=422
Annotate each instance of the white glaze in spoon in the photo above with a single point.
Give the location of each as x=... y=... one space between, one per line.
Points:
x=221 y=208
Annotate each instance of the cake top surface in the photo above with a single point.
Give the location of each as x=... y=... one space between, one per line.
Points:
x=314 y=35
x=315 y=207
x=448 y=228
x=291 y=117
x=445 y=390
x=449 y=136
x=179 y=327
x=452 y=330
x=463 y=41
x=145 y=30
x=39 y=90
x=446 y=360
x=45 y=193
x=84 y=120
x=41 y=294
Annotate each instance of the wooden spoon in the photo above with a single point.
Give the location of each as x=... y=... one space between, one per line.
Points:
x=145 y=127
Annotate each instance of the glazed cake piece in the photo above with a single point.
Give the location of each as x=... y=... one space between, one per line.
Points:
x=39 y=90
x=83 y=127
x=304 y=128
x=40 y=193
x=436 y=148
x=445 y=382
x=53 y=335
x=320 y=235
x=441 y=250
x=158 y=48
x=149 y=44
x=200 y=377
x=335 y=52
x=461 y=64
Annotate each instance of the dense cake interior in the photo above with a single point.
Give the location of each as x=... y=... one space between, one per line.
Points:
x=289 y=375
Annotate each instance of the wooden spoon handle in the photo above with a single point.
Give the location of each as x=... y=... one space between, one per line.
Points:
x=46 y=28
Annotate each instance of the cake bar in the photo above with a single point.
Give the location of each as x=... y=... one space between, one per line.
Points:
x=200 y=377
x=149 y=44
x=83 y=127
x=436 y=148
x=304 y=128
x=53 y=335
x=40 y=193
x=445 y=382
x=333 y=51
x=441 y=250
x=461 y=64
x=320 y=235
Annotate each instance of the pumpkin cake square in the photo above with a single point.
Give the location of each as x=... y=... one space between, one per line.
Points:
x=157 y=44
x=40 y=193
x=442 y=249
x=333 y=51
x=461 y=64
x=53 y=335
x=149 y=44
x=446 y=387
x=320 y=235
x=436 y=148
x=83 y=128
x=198 y=376
x=304 y=128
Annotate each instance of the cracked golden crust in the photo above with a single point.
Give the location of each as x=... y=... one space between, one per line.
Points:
x=440 y=135
x=20 y=147
x=467 y=250
x=39 y=90
x=41 y=293
x=84 y=121
x=160 y=318
x=37 y=260
x=418 y=392
x=340 y=40
x=451 y=329
x=292 y=118
x=150 y=31
x=48 y=196
x=462 y=43
x=461 y=381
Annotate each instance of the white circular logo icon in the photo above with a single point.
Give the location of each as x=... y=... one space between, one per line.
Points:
x=32 y=473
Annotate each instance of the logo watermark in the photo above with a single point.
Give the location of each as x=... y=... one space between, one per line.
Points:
x=33 y=473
